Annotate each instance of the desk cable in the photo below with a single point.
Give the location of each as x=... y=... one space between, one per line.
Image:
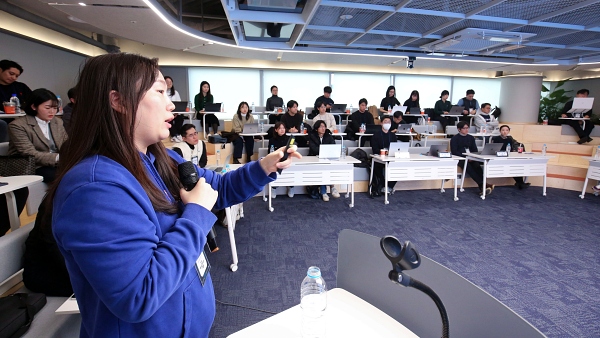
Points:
x=245 y=307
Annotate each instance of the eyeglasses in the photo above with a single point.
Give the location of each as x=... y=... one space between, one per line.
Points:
x=465 y=127
x=194 y=134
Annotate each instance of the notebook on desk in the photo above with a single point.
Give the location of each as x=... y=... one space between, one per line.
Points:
x=180 y=106
x=456 y=110
x=219 y=168
x=212 y=107
x=330 y=151
x=250 y=128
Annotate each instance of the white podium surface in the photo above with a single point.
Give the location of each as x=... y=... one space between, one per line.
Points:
x=346 y=316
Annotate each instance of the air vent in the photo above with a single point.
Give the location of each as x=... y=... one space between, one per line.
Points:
x=475 y=40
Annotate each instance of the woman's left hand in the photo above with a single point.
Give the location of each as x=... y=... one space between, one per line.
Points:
x=270 y=163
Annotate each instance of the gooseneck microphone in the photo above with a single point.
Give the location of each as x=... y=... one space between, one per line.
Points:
x=189 y=177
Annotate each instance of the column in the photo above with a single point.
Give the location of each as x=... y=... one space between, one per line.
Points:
x=520 y=98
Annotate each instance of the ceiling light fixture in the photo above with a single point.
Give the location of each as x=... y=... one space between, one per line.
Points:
x=82 y=4
x=346 y=17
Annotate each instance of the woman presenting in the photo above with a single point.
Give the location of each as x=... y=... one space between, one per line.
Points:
x=130 y=235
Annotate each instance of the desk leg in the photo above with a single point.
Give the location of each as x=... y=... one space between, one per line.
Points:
x=484 y=179
x=455 y=193
x=190 y=116
x=544 y=191
x=442 y=187
x=270 y=191
x=352 y=189
x=13 y=214
x=204 y=126
x=584 y=186
x=230 y=229
x=265 y=193
x=386 y=183
x=462 y=181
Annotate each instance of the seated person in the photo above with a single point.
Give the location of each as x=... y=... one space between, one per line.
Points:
x=484 y=116
x=506 y=139
x=279 y=140
x=68 y=110
x=442 y=107
x=381 y=140
x=38 y=133
x=325 y=117
x=273 y=102
x=241 y=117
x=292 y=120
x=9 y=73
x=396 y=121
x=21 y=197
x=325 y=98
x=469 y=104
x=190 y=148
x=388 y=102
x=463 y=143
x=359 y=117
x=44 y=268
x=584 y=134
x=321 y=135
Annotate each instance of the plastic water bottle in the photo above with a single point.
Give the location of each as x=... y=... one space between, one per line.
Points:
x=225 y=169
x=313 y=301
x=272 y=149
x=253 y=110
x=508 y=147
x=597 y=155
x=59 y=104
x=262 y=127
x=363 y=128
x=222 y=107
x=389 y=109
x=343 y=151
x=218 y=157
x=14 y=99
x=189 y=106
x=302 y=128
x=544 y=149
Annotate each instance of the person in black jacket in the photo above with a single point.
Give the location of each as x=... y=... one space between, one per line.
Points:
x=584 y=134
x=506 y=139
x=272 y=103
x=412 y=102
x=381 y=140
x=279 y=140
x=321 y=135
x=441 y=108
x=389 y=101
x=359 y=117
x=463 y=143
x=326 y=99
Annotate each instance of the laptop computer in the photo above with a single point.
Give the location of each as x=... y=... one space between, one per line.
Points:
x=399 y=108
x=212 y=107
x=491 y=148
x=180 y=106
x=330 y=151
x=415 y=110
x=398 y=147
x=338 y=108
x=456 y=110
x=435 y=149
x=250 y=128
x=404 y=129
x=372 y=128
x=218 y=169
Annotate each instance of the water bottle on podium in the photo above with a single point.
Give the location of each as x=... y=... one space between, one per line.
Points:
x=313 y=301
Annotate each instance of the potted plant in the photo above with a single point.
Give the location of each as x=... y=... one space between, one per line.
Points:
x=552 y=104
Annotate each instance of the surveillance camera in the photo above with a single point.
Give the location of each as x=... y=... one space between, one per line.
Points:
x=410 y=63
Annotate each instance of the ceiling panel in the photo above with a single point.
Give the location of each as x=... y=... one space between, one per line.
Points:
x=413 y=23
x=471 y=24
x=527 y=9
x=419 y=43
x=527 y=50
x=378 y=39
x=330 y=16
x=376 y=2
x=573 y=38
x=586 y=16
x=321 y=35
x=455 y=6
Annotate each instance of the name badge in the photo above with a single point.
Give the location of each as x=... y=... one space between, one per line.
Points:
x=195 y=160
x=202 y=267
x=502 y=153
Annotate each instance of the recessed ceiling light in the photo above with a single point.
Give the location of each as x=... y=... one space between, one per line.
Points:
x=72 y=18
x=346 y=17
x=82 y=4
x=133 y=21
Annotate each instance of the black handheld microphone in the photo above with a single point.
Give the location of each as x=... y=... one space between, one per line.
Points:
x=189 y=177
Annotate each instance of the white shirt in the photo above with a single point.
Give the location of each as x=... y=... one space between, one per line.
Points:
x=174 y=97
x=44 y=126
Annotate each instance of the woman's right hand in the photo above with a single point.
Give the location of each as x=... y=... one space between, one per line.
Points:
x=202 y=194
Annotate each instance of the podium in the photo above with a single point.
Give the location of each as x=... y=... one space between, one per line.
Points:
x=363 y=270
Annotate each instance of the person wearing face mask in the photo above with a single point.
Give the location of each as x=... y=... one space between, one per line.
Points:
x=506 y=139
x=381 y=140
x=239 y=120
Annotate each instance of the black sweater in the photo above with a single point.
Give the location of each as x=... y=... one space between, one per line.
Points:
x=411 y=104
x=513 y=143
x=382 y=140
x=314 y=141
x=459 y=144
x=290 y=121
x=278 y=142
x=389 y=101
x=441 y=107
x=274 y=101
x=359 y=118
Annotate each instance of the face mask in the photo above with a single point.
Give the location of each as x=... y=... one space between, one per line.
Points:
x=387 y=126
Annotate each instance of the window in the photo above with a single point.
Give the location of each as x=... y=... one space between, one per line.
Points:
x=299 y=85
x=486 y=90
x=429 y=87
x=228 y=85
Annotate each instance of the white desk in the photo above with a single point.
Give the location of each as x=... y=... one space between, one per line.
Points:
x=219 y=115
x=582 y=119
x=310 y=170
x=422 y=116
x=261 y=135
x=14 y=183
x=360 y=135
x=190 y=114
x=417 y=168
x=515 y=165
x=346 y=316
x=341 y=135
x=10 y=116
x=592 y=173
x=428 y=135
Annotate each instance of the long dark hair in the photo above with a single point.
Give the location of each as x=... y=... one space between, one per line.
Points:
x=36 y=98
x=208 y=94
x=387 y=93
x=414 y=92
x=275 y=127
x=239 y=111
x=98 y=129
x=172 y=90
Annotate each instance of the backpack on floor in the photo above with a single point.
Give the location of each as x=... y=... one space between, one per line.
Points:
x=375 y=186
x=17 y=312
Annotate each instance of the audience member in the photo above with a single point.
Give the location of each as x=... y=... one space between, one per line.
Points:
x=279 y=140
x=9 y=73
x=412 y=101
x=242 y=117
x=442 y=107
x=397 y=120
x=200 y=101
x=321 y=135
x=324 y=116
x=359 y=117
x=381 y=140
x=484 y=116
x=464 y=143
x=68 y=110
x=177 y=122
x=272 y=103
x=469 y=104
x=293 y=120
x=38 y=133
x=325 y=98
x=171 y=92
x=44 y=268
x=506 y=139
x=191 y=148
x=388 y=102
x=584 y=134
